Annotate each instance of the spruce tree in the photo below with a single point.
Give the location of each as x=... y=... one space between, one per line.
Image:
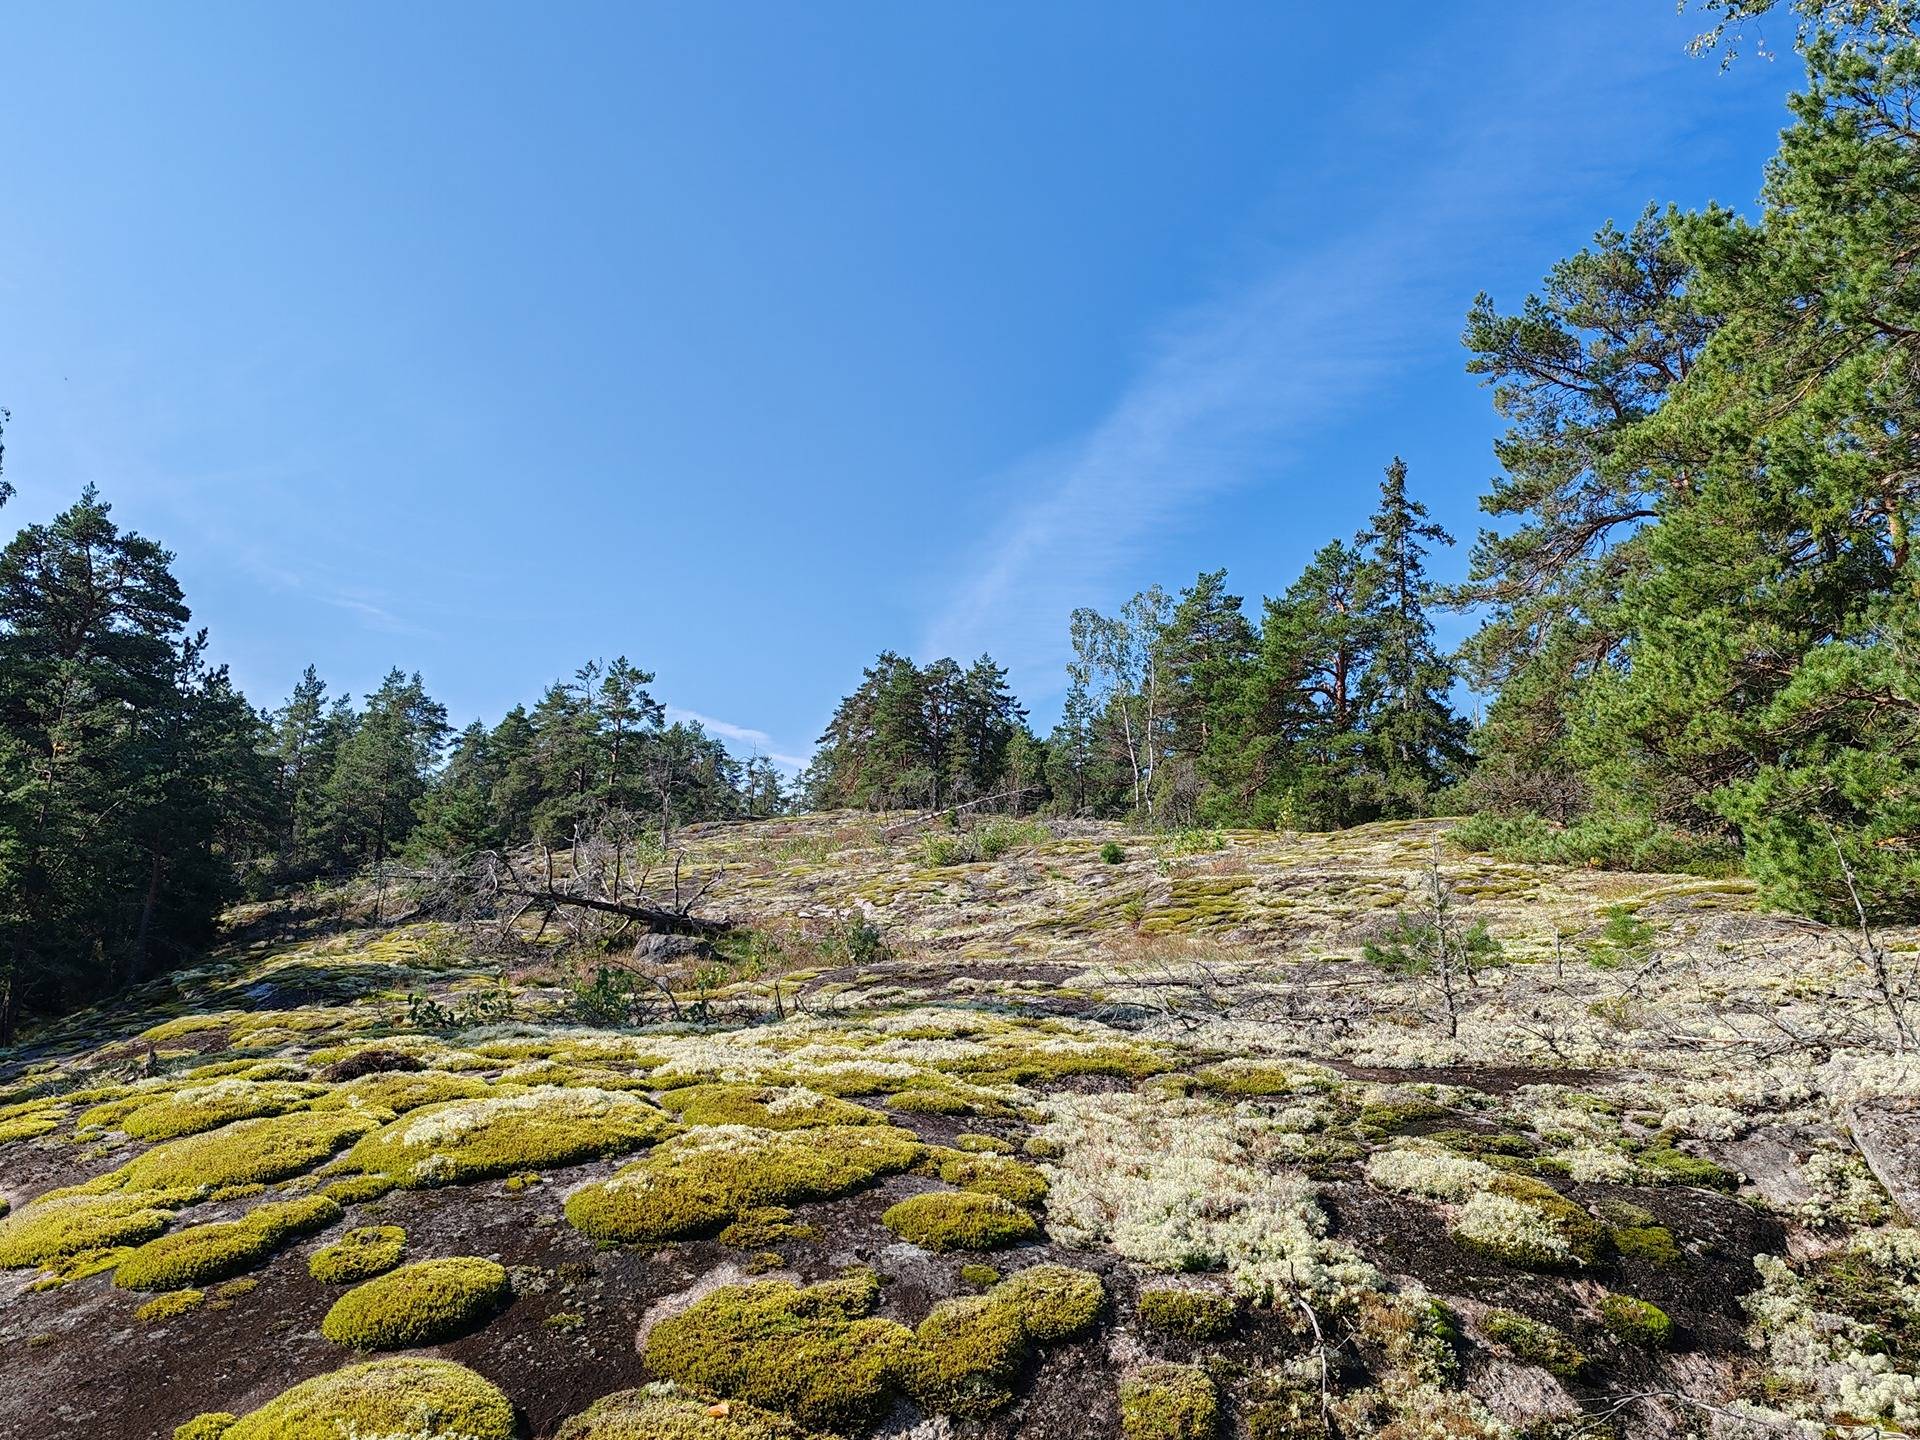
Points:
x=1417 y=743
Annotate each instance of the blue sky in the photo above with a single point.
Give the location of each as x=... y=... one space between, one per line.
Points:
x=750 y=339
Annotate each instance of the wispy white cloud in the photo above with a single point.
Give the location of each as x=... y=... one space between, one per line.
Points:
x=1230 y=388
x=759 y=742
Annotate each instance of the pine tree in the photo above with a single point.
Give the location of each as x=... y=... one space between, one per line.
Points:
x=106 y=805
x=1575 y=372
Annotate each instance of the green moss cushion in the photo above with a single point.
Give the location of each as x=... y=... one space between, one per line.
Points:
x=255 y=1152
x=402 y=1396
x=649 y=1415
x=417 y=1304
x=360 y=1254
x=224 y=1247
x=462 y=1140
x=1169 y=1402
x=699 y=1182
x=960 y=1220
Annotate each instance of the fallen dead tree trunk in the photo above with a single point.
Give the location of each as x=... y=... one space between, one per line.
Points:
x=653 y=918
x=594 y=897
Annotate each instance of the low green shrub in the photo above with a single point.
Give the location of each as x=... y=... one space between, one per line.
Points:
x=1611 y=842
x=1112 y=853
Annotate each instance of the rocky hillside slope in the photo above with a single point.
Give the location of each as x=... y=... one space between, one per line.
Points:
x=1038 y=1132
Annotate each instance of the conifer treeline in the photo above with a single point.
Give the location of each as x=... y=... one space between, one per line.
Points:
x=1332 y=710
x=140 y=791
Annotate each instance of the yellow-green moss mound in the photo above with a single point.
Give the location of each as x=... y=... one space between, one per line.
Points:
x=1186 y=1312
x=360 y=1254
x=960 y=1220
x=663 y=1412
x=418 y=1304
x=698 y=1182
x=816 y=1353
x=245 y=1152
x=29 y=1122
x=539 y=1129
x=173 y=1303
x=225 y=1247
x=969 y=1352
x=1638 y=1322
x=400 y=1397
x=1528 y=1224
x=991 y=1175
x=63 y=1224
x=195 y=1108
x=401 y=1091
x=1535 y=1342
x=809 y=1352
x=1169 y=1402
x=767 y=1107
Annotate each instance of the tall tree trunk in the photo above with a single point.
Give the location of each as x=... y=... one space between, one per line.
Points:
x=138 y=970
